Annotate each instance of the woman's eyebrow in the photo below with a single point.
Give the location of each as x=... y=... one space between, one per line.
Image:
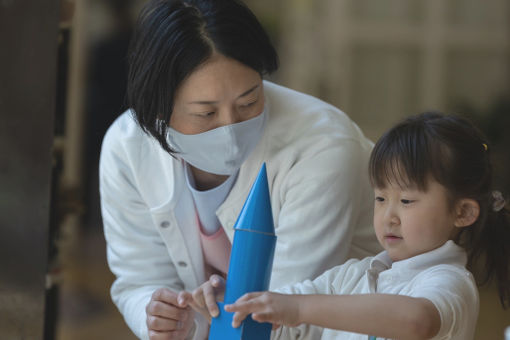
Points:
x=249 y=91
x=203 y=102
x=209 y=102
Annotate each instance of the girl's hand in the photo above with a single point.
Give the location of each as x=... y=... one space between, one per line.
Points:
x=168 y=316
x=278 y=309
x=203 y=299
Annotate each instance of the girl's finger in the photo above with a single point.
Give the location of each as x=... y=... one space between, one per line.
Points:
x=238 y=318
x=243 y=304
x=263 y=317
x=275 y=326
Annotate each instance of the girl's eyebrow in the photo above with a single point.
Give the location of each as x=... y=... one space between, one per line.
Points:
x=209 y=102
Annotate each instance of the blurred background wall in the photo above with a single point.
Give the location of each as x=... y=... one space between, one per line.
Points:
x=377 y=60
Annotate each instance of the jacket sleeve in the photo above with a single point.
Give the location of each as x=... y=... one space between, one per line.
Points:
x=323 y=197
x=136 y=254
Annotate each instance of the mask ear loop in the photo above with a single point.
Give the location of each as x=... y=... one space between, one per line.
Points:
x=160 y=125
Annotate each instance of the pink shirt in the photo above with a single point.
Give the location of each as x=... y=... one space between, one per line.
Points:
x=215 y=242
x=216 y=249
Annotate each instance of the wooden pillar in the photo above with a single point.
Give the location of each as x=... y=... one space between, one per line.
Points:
x=28 y=60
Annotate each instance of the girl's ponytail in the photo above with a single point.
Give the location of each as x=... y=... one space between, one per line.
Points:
x=492 y=258
x=488 y=246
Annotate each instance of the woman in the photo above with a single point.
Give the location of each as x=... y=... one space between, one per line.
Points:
x=176 y=168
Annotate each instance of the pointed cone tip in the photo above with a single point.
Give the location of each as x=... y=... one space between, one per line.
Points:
x=256 y=214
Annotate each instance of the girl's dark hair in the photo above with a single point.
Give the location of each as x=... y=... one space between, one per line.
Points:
x=452 y=151
x=173 y=37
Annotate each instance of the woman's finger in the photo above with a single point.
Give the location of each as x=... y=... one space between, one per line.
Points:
x=160 y=324
x=209 y=296
x=165 y=295
x=217 y=282
x=198 y=296
x=184 y=298
x=165 y=310
x=172 y=335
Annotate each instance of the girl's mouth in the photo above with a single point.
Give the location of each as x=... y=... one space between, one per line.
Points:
x=392 y=238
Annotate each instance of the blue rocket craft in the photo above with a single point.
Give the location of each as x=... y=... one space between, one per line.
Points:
x=251 y=262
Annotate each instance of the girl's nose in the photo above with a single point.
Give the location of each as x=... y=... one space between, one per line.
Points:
x=391 y=217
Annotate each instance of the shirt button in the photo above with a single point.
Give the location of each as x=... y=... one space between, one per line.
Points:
x=182 y=264
x=164 y=224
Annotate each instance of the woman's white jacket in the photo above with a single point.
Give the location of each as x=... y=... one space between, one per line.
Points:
x=316 y=160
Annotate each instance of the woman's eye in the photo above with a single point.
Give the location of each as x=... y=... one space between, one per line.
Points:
x=379 y=199
x=249 y=104
x=404 y=201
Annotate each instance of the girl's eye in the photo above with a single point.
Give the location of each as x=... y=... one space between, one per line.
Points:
x=379 y=199
x=404 y=201
x=206 y=114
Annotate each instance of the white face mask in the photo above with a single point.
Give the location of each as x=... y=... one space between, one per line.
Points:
x=220 y=151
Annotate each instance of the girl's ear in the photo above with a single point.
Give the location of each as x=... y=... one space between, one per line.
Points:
x=467 y=211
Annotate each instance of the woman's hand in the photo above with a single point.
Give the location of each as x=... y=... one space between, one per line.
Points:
x=168 y=316
x=203 y=299
x=278 y=309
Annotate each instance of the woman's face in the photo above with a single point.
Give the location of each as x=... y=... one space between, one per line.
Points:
x=220 y=92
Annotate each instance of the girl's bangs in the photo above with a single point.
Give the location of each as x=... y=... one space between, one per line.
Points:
x=401 y=159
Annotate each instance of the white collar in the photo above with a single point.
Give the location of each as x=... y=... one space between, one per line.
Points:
x=448 y=253
x=221 y=190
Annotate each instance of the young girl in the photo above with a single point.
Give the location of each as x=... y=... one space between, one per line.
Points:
x=434 y=215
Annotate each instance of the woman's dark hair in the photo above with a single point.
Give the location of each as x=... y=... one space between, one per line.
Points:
x=173 y=37
x=452 y=151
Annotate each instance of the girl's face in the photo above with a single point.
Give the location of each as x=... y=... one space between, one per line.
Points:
x=220 y=92
x=409 y=222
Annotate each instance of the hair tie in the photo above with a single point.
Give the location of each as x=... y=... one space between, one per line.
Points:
x=498 y=201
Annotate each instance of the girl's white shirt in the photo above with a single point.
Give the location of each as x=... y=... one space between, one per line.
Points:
x=439 y=276
x=322 y=202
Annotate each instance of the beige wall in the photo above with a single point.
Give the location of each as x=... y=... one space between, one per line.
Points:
x=382 y=60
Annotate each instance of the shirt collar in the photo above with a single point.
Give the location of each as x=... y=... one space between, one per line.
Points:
x=221 y=190
x=448 y=253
